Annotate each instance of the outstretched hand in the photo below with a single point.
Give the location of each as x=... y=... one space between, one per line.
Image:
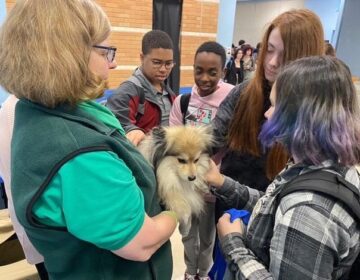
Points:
x=214 y=177
x=135 y=136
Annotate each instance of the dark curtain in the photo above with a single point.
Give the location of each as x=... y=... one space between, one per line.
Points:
x=167 y=17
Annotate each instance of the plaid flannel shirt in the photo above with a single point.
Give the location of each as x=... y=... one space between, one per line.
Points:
x=308 y=236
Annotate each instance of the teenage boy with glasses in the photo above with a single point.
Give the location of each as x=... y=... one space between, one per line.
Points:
x=144 y=100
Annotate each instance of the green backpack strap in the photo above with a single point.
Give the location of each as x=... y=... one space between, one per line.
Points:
x=184 y=104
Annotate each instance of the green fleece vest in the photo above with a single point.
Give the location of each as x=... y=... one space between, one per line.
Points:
x=43 y=141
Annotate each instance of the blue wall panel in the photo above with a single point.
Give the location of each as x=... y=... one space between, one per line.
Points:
x=349 y=36
x=328 y=11
x=3 y=94
x=226 y=21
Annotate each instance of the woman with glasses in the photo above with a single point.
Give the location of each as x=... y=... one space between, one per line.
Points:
x=144 y=100
x=86 y=198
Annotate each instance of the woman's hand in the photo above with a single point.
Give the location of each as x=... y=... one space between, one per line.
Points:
x=214 y=177
x=224 y=226
x=135 y=136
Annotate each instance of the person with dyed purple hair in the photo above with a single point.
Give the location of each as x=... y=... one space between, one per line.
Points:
x=315 y=115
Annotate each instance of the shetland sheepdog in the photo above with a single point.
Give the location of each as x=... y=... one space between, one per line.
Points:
x=180 y=157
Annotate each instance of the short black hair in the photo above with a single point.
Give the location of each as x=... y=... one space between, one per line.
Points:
x=156 y=39
x=213 y=47
x=241 y=42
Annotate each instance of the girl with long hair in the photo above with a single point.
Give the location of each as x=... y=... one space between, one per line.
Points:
x=234 y=69
x=291 y=35
x=307 y=234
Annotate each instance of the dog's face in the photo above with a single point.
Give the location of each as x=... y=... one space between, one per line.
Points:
x=187 y=165
x=184 y=150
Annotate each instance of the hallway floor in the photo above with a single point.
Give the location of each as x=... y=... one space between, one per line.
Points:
x=178 y=256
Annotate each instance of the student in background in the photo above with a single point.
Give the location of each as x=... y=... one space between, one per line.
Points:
x=248 y=62
x=291 y=35
x=329 y=49
x=73 y=172
x=234 y=69
x=314 y=114
x=144 y=100
x=241 y=43
x=206 y=96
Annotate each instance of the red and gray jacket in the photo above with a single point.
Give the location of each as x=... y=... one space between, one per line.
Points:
x=134 y=103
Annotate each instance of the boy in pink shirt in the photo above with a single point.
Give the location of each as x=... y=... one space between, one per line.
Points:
x=206 y=96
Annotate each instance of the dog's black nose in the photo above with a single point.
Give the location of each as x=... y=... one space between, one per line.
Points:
x=191 y=178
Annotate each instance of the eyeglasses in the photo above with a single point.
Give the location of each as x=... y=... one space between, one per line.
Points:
x=157 y=64
x=110 y=52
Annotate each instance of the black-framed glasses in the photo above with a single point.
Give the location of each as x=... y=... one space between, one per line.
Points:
x=110 y=52
x=157 y=64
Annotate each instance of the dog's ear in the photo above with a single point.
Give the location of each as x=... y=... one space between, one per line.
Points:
x=159 y=139
x=158 y=133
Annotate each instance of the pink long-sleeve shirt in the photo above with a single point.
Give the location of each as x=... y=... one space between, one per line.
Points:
x=201 y=110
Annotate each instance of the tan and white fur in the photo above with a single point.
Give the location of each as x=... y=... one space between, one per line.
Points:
x=180 y=157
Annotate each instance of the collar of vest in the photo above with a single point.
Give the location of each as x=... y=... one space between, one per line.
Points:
x=73 y=113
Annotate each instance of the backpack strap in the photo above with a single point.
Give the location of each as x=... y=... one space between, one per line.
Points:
x=230 y=63
x=141 y=106
x=327 y=183
x=227 y=69
x=184 y=104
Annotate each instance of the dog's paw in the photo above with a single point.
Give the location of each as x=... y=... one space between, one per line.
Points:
x=185 y=225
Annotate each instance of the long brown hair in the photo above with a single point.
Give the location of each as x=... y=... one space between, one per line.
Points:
x=302 y=35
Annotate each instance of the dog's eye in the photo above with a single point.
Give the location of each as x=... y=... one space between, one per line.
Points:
x=183 y=161
x=196 y=160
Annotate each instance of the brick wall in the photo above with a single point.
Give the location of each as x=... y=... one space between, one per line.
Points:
x=131 y=19
x=9 y=3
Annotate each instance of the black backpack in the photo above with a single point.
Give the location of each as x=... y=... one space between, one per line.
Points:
x=337 y=188
x=184 y=103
